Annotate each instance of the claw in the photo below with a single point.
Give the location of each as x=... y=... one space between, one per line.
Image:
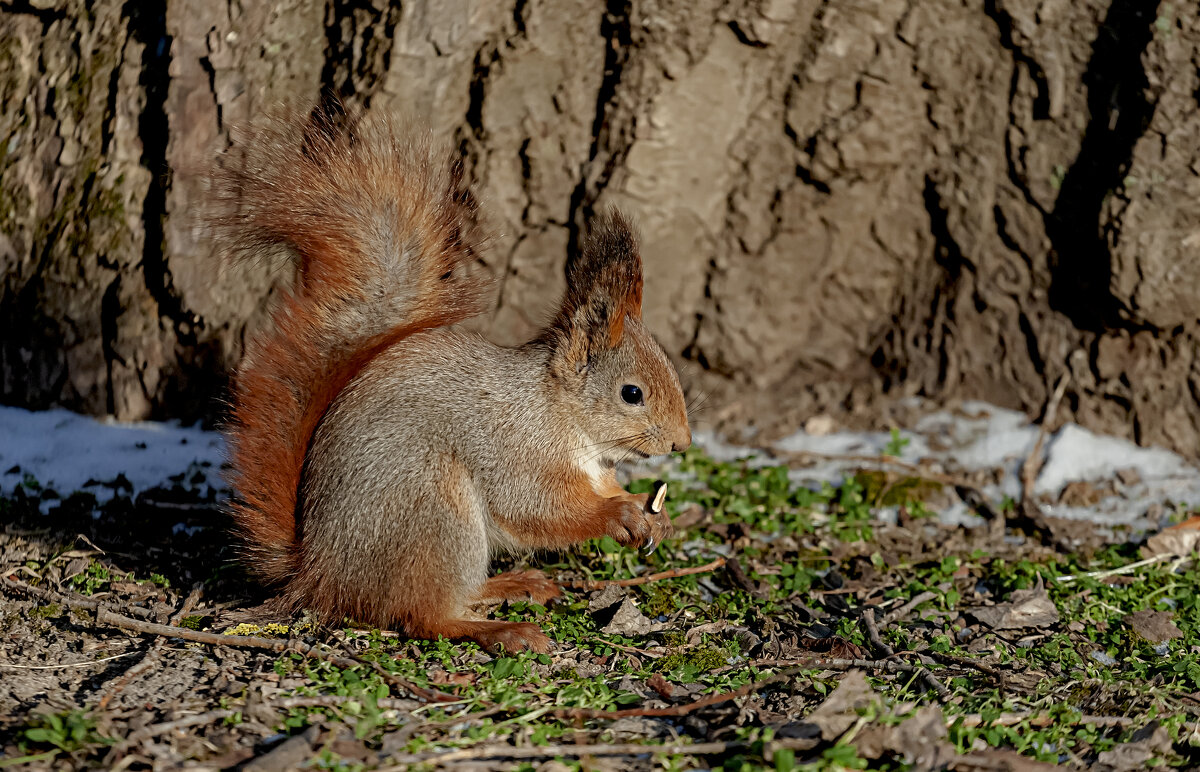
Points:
x=649 y=548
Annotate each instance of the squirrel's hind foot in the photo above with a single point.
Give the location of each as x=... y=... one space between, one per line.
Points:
x=520 y=585
x=509 y=636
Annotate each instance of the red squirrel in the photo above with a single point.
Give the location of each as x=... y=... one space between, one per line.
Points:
x=381 y=456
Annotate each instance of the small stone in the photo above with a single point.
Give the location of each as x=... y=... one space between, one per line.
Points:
x=628 y=620
x=1129 y=476
x=820 y=425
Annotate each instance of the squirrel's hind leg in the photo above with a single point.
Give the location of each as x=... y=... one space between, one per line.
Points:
x=520 y=585
x=437 y=583
x=493 y=635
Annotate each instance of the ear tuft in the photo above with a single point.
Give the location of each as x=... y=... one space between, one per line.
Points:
x=604 y=279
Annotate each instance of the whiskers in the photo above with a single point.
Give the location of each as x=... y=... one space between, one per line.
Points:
x=697 y=403
x=629 y=445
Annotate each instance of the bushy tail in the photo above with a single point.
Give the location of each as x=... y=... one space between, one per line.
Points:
x=382 y=230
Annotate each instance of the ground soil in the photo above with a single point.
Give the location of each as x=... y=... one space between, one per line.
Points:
x=840 y=202
x=855 y=640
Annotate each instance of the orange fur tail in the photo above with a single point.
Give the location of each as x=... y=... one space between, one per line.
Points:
x=382 y=231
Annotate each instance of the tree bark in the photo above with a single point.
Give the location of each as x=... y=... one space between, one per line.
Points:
x=841 y=203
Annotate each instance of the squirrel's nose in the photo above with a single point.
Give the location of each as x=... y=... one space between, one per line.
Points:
x=683 y=443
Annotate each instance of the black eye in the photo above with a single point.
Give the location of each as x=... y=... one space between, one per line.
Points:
x=631 y=394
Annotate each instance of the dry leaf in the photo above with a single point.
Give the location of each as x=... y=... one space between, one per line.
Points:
x=840 y=711
x=1025 y=608
x=1177 y=540
x=921 y=739
x=661 y=685
x=1154 y=626
x=1146 y=743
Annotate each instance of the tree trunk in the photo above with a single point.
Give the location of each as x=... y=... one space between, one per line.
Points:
x=840 y=202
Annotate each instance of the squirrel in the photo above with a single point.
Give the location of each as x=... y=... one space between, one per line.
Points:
x=380 y=454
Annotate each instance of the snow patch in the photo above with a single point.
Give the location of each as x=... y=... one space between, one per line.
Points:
x=979 y=436
x=70 y=452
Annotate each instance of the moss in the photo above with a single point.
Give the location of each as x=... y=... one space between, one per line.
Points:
x=674 y=638
x=270 y=630
x=882 y=490
x=193 y=622
x=47 y=611
x=657 y=602
x=702 y=660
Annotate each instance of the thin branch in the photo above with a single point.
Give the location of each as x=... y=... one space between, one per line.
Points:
x=873 y=636
x=277 y=645
x=674 y=573
x=972 y=720
x=904 y=610
x=1029 y=514
x=829 y=663
x=69 y=600
x=968 y=491
x=153 y=655
x=1126 y=569
x=686 y=708
x=809 y=456
x=200 y=719
x=89 y=663
x=565 y=749
x=580 y=750
x=1033 y=462
x=868 y=618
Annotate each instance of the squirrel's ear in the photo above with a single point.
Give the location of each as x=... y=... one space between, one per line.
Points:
x=604 y=284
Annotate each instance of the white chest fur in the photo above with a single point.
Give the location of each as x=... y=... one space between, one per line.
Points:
x=590 y=461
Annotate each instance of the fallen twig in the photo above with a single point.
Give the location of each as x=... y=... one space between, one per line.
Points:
x=69 y=664
x=809 y=456
x=70 y=601
x=580 y=750
x=903 y=611
x=277 y=645
x=1126 y=569
x=968 y=491
x=200 y=719
x=680 y=710
x=338 y=700
x=1029 y=514
x=966 y=662
x=972 y=720
x=828 y=663
x=588 y=585
x=1033 y=462
x=868 y=617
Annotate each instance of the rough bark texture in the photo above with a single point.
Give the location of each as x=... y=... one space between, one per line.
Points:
x=841 y=202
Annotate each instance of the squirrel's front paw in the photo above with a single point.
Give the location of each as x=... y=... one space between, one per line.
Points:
x=635 y=526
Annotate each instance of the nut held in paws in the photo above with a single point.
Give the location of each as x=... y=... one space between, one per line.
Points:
x=655 y=504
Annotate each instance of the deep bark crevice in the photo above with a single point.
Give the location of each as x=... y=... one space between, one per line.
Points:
x=1080 y=260
x=949 y=257
x=110 y=312
x=148 y=25
x=615 y=29
x=358 y=47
